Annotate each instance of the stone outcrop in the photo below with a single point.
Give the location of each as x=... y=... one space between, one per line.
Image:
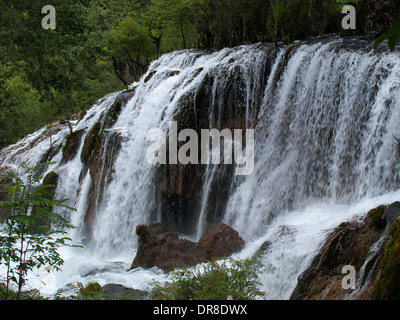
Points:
x=99 y=150
x=114 y=291
x=71 y=146
x=181 y=198
x=369 y=246
x=161 y=247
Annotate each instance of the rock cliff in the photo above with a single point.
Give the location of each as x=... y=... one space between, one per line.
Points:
x=371 y=246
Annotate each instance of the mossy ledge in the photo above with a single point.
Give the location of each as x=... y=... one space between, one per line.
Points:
x=377 y=216
x=50 y=184
x=71 y=146
x=91 y=144
x=388 y=285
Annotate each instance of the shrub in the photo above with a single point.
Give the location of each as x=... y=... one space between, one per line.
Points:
x=32 y=234
x=217 y=280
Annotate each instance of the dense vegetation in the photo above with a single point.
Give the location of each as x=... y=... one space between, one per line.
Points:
x=231 y=279
x=100 y=46
x=31 y=233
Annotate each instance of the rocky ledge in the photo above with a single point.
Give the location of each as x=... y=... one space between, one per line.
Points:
x=161 y=247
x=371 y=246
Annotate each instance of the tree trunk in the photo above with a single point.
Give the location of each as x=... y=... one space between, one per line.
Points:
x=157 y=42
x=119 y=68
x=183 y=36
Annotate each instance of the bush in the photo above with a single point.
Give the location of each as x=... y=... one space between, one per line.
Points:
x=218 y=280
x=32 y=234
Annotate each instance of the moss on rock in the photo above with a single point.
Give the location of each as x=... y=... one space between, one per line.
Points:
x=150 y=75
x=71 y=146
x=94 y=287
x=50 y=185
x=377 y=216
x=388 y=285
x=91 y=144
x=50 y=178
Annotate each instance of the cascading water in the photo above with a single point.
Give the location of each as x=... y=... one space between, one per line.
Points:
x=325 y=114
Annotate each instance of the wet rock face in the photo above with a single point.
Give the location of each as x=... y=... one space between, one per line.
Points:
x=99 y=150
x=218 y=102
x=72 y=144
x=161 y=247
x=347 y=245
x=350 y=244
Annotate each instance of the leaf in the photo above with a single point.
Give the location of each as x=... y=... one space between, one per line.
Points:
x=392 y=36
x=393 y=41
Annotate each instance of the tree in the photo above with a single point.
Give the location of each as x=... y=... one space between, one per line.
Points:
x=33 y=232
x=131 y=50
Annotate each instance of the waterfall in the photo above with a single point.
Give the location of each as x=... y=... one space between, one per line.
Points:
x=325 y=114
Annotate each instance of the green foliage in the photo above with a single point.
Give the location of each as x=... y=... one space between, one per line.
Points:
x=131 y=49
x=7 y=294
x=91 y=144
x=33 y=232
x=218 y=280
x=101 y=46
x=49 y=74
x=392 y=36
x=387 y=286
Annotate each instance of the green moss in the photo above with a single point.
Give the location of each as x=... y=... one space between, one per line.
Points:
x=54 y=153
x=142 y=230
x=114 y=112
x=50 y=178
x=149 y=76
x=91 y=144
x=129 y=83
x=92 y=291
x=146 y=238
x=289 y=51
x=174 y=73
x=71 y=146
x=82 y=114
x=94 y=287
x=49 y=185
x=377 y=216
x=388 y=285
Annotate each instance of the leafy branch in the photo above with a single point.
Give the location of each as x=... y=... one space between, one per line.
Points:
x=32 y=233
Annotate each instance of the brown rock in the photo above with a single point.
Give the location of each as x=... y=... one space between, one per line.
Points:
x=221 y=241
x=348 y=244
x=161 y=247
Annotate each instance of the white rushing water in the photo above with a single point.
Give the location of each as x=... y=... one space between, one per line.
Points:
x=325 y=116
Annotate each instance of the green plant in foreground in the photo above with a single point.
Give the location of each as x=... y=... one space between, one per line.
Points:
x=217 y=280
x=32 y=233
x=393 y=36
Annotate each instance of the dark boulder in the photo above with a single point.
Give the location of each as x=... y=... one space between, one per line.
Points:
x=161 y=247
x=220 y=241
x=114 y=291
x=350 y=243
